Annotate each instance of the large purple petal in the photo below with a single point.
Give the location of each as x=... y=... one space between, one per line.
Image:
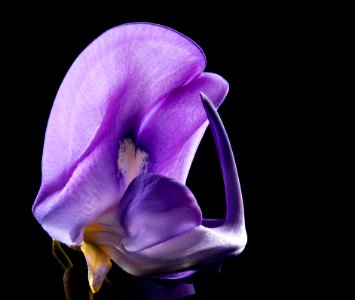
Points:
x=109 y=88
x=107 y=92
x=172 y=131
x=154 y=209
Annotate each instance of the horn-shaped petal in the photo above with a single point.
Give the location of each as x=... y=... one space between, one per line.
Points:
x=235 y=208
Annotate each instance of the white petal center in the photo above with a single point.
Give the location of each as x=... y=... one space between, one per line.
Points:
x=131 y=161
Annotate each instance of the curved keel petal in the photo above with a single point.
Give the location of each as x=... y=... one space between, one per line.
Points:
x=235 y=208
x=192 y=250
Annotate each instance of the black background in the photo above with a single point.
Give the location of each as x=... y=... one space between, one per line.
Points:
x=258 y=51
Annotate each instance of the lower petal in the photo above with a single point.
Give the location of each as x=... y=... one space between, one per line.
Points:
x=155 y=208
x=192 y=250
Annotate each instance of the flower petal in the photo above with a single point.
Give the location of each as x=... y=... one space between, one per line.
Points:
x=235 y=208
x=108 y=89
x=90 y=191
x=190 y=251
x=172 y=131
x=154 y=209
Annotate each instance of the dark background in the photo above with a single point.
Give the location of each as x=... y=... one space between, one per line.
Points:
x=262 y=54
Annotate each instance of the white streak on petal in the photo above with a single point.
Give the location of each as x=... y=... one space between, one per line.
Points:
x=131 y=161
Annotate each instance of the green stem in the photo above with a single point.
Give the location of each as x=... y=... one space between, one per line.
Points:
x=60 y=255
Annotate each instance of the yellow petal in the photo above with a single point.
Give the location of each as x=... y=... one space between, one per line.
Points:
x=98 y=265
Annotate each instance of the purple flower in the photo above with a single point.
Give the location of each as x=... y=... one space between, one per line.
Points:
x=122 y=134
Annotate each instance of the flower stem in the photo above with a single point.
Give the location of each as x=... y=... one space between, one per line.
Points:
x=60 y=255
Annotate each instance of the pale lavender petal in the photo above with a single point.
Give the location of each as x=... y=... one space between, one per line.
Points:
x=91 y=190
x=172 y=131
x=154 y=209
x=110 y=87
